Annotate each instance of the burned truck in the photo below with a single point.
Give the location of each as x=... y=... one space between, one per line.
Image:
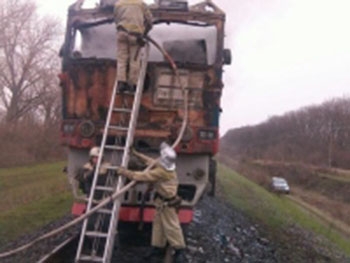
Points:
x=194 y=38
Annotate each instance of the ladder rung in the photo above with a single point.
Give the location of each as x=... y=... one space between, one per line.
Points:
x=86 y=253
x=104 y=211
x=114 y=147
x=118 y=128
x=105 y=188
x=122 y=110
x=114 y=168
x=127 y=92
x=96 y=234
x=91 y=258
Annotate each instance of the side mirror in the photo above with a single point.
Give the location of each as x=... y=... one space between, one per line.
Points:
x=227 y=56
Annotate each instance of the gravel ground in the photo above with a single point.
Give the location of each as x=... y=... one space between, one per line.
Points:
x=217 y=234
x=221 y=234
x=40 y=249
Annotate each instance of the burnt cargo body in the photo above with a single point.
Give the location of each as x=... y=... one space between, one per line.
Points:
x=194 y=37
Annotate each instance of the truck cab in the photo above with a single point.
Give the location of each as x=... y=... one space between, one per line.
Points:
x=194 y=37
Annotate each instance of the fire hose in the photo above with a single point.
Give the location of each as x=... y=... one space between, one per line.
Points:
x=117 y=194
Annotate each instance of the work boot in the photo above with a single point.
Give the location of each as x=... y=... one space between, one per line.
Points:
x=156 y=254
x=179 y=256
x=122 y=86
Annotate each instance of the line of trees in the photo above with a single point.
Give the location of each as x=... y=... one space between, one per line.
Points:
x=317 y=135
x=29 y=90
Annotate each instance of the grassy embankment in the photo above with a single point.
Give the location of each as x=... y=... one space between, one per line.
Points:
x=31 y=197
x=276 y=213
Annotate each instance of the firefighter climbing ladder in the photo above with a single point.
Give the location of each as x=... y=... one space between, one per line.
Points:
x=97 y=245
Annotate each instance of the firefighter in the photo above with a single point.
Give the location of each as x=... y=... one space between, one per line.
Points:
x=85 y=175
x=166 y=227
x=133 y=21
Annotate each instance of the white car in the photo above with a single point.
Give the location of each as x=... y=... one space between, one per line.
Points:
x=280 y=185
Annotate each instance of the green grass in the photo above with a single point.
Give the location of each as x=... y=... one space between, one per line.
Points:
x=275 y=212
x=338 y=178
x=31 y=197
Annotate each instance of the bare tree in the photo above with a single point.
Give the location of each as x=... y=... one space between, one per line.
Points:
x=27 y=49
x=49 y=103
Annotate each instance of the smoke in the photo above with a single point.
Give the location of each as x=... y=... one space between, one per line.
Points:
x=99 y=42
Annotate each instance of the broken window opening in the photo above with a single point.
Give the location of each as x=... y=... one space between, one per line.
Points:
x=187 y=43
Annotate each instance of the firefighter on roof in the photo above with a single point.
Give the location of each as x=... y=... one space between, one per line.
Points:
x=133 y=21
x=166 y=226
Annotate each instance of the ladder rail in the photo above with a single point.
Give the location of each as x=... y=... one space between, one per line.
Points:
x=136 y=107
x=126 y=155
x=98 y=165
x=113 y=220
x=108 y=189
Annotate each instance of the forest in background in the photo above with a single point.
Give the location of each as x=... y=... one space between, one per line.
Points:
x=317 y=135
x=29 y=90
x=30 y=107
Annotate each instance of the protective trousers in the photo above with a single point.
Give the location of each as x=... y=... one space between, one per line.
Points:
x=166 y=228
x=128 y=58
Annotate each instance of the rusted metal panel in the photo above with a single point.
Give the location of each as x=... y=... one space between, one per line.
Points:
x=87 y=86
x=168 y=92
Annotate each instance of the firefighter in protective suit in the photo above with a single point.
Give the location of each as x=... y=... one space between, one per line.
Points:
x=166 y=227
x=85 y=175
x=133 y=21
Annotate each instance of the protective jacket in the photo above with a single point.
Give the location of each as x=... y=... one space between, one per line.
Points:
x=165 y=182
x=86 y=174
x=133 y=16
x=166 y=226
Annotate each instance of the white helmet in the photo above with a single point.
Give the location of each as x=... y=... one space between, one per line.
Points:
x=94 y=152
x=167 y=157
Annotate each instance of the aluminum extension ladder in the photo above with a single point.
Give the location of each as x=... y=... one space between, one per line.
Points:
x=99 y=230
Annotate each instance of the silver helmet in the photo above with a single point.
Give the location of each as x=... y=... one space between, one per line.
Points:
x=167 y=157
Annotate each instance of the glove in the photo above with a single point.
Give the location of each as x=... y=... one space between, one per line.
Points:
x=121 y=170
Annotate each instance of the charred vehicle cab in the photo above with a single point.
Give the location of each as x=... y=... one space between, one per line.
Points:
x=194 y=37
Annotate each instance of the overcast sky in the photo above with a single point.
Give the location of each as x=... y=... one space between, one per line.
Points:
x=286 y=54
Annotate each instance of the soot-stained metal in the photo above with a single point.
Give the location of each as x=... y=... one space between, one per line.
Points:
x=194 y=38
